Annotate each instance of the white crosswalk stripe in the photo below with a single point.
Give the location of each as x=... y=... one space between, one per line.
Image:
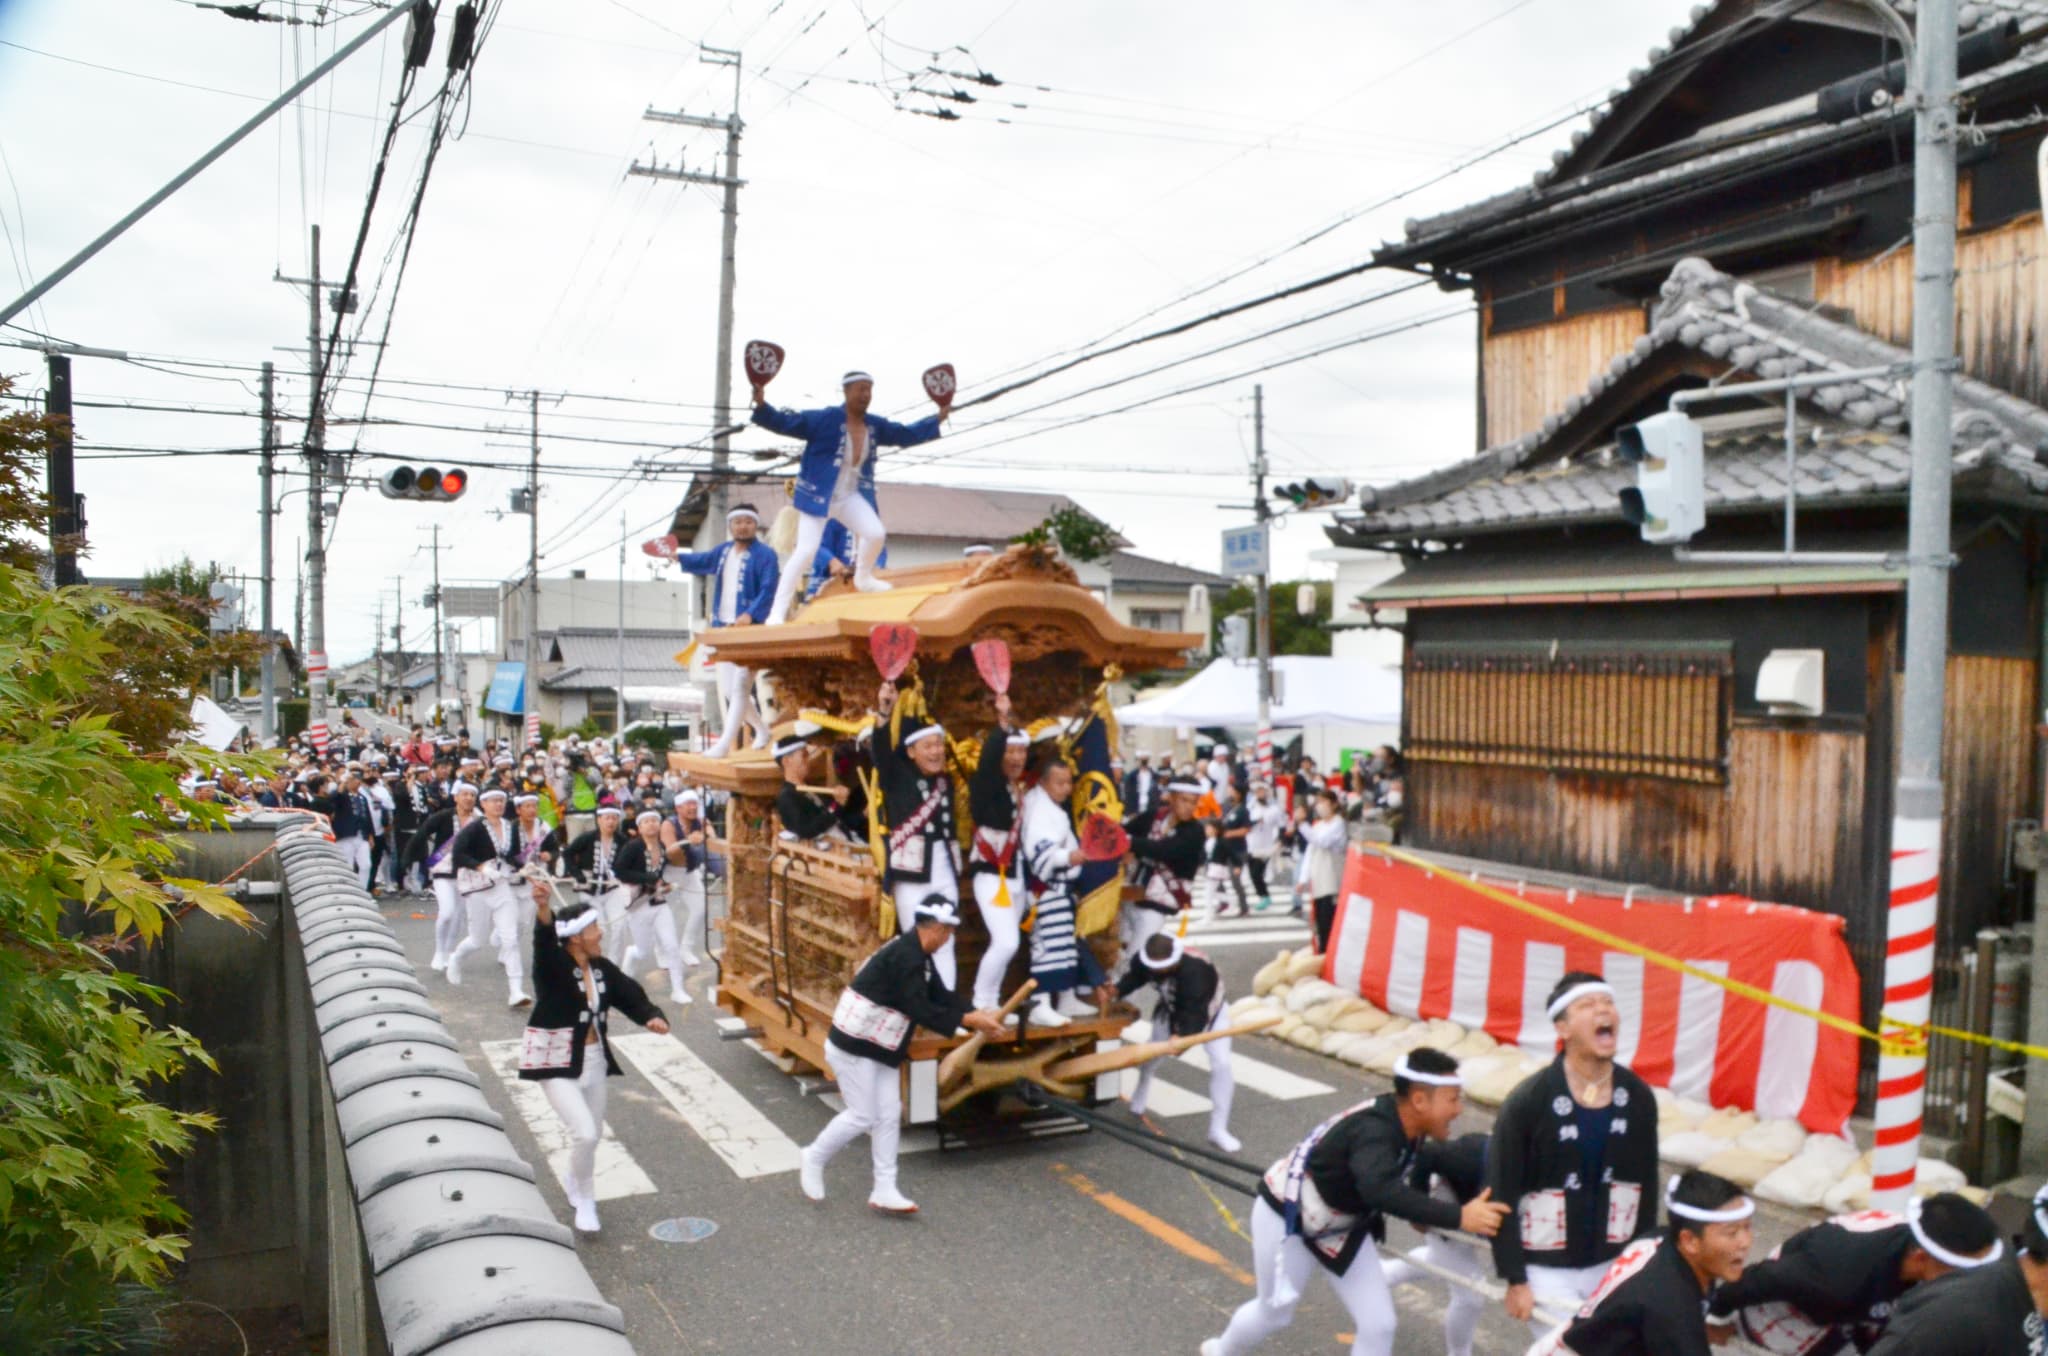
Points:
x=616 y=1173
x=733 y=1128
x=1275 y=929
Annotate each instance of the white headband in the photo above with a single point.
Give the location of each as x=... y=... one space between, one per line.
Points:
x=1575 y=993
x=940 y=912
x=1186 y=788
x=933 y=729
x=646 y=815
x=566 y=930
x=497 y=792
x=1018 y=740
x=1693 y=1212
x=731 y=514
x=527 y=799
x=1171 y=959
x=789 y=746
x=461 y=787
x=689 y=798
x=614 y=811
x=1941 y=1254
x=856 y=375
x=1402 y=1069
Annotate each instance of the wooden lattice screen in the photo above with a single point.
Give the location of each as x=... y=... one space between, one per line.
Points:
x=1655 y=714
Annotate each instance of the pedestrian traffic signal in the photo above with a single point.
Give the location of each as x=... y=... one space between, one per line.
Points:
x=1316 y=492
x=424 y=484
x=1668 y=502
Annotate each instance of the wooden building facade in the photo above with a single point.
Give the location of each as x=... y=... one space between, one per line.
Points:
x=1579 y=701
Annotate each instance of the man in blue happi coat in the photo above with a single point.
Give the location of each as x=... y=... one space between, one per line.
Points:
x=836 y=479
x=835 y=558
x=743 y=575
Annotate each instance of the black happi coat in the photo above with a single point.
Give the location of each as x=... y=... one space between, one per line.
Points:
x=901 y=977
x=1535 y=1152
x=473 y=846
x=1179 y=852
x=1985 y=1311
x=582 y=858
x=990 y=800
x=904 y=793
x=1189 y=998
x=803 y=814
x=1843 y=1275
x=562 y=1010
x=1365 y=1165
x=1651 y=1305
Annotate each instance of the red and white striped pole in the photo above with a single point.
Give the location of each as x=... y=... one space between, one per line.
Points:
x=1918 y=801
x=1908 y=1002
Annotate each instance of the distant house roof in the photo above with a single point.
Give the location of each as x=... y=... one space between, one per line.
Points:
x=1130 y=571
x=590 y=659
x=916 y=511
x=1852 y=434
x=1585 y=177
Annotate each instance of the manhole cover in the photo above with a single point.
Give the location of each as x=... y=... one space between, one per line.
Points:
x=687 y=1229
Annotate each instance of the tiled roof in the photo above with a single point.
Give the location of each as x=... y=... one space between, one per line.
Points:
x=1854 y=444
x=1549 y=195
x=1128 y=569
x=590 y=659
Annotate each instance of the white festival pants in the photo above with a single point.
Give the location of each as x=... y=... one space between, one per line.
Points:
x=1283 y=1266
x=448 y=924
x=736 y=697
x=686 y=889
x=860 y=519
x=356 y=852
x=611 y=916
x=1003 y=936
x=873 y=1094
x=652 y=925
x=1461 y=1318
x=908 y=894
x=579 y=1102
x=1561 y=1290
x=1222 y=1083
x=494 y=917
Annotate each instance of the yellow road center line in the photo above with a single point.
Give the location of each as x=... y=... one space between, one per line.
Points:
x=1180 y=1241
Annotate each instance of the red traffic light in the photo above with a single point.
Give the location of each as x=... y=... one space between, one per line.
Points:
x=424 y=484
x=453 y=482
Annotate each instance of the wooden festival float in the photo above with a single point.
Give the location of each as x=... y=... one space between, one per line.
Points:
x=803 y=915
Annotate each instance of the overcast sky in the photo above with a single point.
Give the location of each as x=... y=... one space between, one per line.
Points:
x=1136 y=152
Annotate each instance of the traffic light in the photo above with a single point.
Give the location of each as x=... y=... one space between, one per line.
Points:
x=1316 y=492
x=1668 y=502
x=424 y=484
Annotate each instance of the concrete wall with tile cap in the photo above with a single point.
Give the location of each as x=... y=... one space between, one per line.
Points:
x=457 y=1243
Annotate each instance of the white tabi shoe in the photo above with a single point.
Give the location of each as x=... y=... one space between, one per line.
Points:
x=1224 y=1140
x=1071 y=1004
x=1212 y=1346
x=691 y=959
x=519 y=998
x=890 y=1201
x=867 y=583
x=1137 y=1105
x=586 y=1217
x=440 y=961
x=1043 y=1013
x=630 y=962
x=453 y=970
x=810 y=1174
x=679 y=997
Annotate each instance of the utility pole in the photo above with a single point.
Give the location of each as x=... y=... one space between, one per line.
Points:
x=440 y=699
x=398 y=629
x=267 y=474
x=1262 y=624
x=730 y=181
x=1917 y=803
x=377 y=656
x=64 y=514
x=316 y=517
x=529 y=700
x=620 y=723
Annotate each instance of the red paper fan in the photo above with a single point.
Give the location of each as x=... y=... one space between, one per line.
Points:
x=764 y=360
x=893 y=645
x=992 y=658
x=1103 y=839
x=940 y=383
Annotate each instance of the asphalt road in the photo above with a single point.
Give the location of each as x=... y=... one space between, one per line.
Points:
x=1070 y=1244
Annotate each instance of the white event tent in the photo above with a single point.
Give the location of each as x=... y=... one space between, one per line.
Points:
x=1312 y=691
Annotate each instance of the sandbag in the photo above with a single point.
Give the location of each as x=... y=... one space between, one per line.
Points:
x=1365 y=1019
x=1393 y=1026
x=1744 y=1167
x=1356 y=1049
x=1249 y=1000
x=1728 y=1123
x=1837 y=1155
x=1273 y=972
x=1394 y=1046
x=1304 y=964
x=1692 y=1148
x=1306 y=1036
x=1306 y=993
x=1325 y=1013
x=1933 y=1176
x=1443 y=1034
x=1800 y=1183
x=1491 y=1085
x=1333 y=1040
x=1287 y=1024
x=1848 y=1196
x=1778 y=1140
x=1475 y=1044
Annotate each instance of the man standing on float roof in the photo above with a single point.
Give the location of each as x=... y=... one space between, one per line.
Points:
x=836 y=478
